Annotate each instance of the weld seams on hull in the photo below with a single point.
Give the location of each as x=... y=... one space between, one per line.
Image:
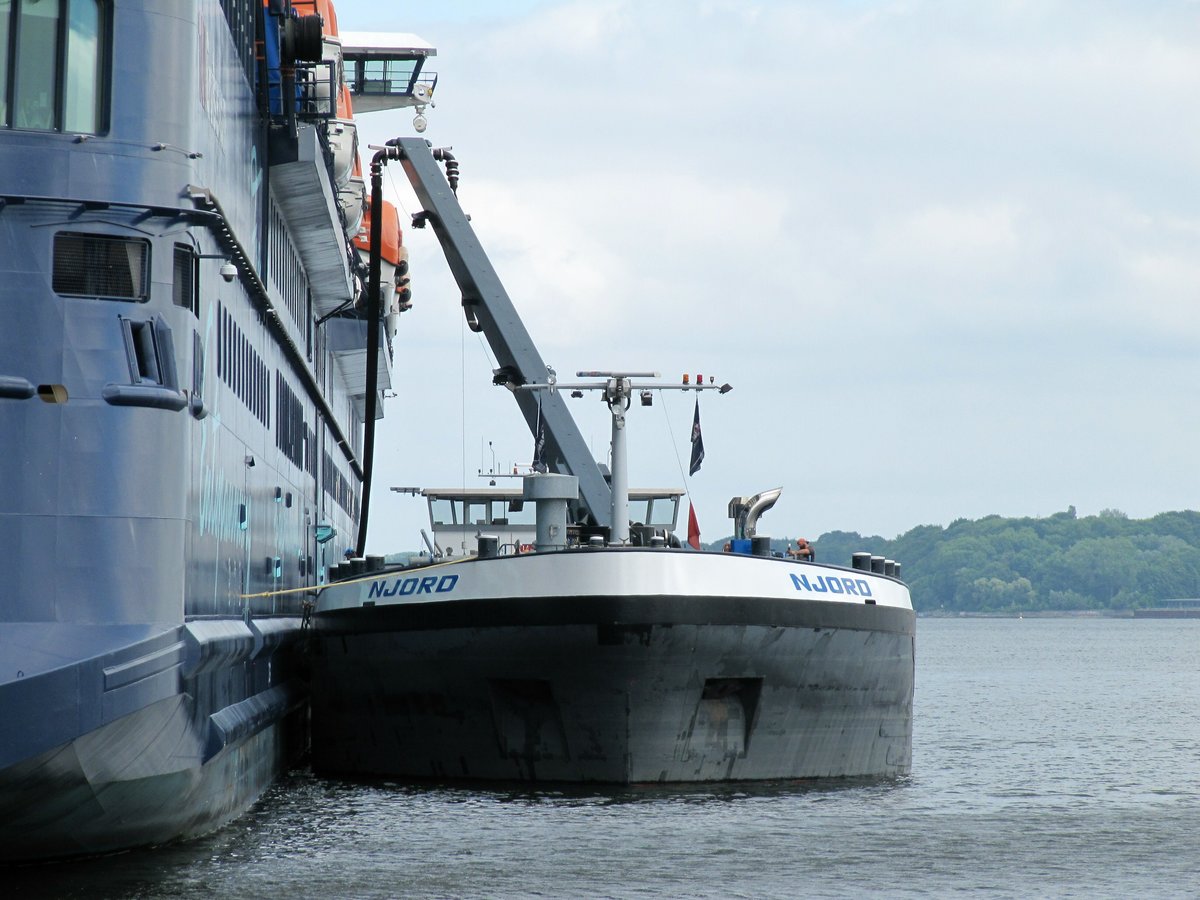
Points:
x=165 y=738
x=675 y=700
x=60 y=804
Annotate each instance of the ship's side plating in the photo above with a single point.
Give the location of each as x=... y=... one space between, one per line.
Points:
x=174 y=432
x=659 y=665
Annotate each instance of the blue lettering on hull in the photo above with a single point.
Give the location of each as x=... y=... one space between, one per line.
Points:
x=828 y=584
x=405 y=587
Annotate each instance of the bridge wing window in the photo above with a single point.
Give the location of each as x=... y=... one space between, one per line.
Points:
x=387 y=76
x=53 y=64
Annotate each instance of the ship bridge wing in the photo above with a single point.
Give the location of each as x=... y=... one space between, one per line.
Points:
x=387 y=71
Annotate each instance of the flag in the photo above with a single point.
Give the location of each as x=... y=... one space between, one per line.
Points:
x=539 y=443
x=693 y=528
x=697 y=443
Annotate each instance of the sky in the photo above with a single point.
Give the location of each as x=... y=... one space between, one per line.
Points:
x=946 y=253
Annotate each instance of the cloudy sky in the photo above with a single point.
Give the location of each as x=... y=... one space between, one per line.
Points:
x=948 y=254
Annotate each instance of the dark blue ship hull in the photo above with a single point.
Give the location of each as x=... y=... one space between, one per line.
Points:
x=143 y=744
x=175 y=432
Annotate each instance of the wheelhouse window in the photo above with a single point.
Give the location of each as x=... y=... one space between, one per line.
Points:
x=101 y=266
x=53 y=60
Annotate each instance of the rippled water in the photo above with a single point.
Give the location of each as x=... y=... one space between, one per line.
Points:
x=1051 y=757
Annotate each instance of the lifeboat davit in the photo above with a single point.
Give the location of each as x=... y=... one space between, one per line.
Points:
x=343 y=139
x=330 y=92
x=322 y=8
x=352 y=199
x=327 y=75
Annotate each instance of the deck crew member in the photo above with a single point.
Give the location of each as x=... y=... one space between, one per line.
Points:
x=803 y=550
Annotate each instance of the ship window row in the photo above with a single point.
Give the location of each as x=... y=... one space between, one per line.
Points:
x=445 y=511
x=317 y=353
x=290 y=431
x=101 y=266
x=338 y=486
x=285 y=271
x=356 y=431
x=310 y=452
x=240 y=16
x=240 y=366
x=54 y=60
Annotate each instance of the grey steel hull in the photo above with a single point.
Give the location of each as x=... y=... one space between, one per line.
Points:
x=686 y=689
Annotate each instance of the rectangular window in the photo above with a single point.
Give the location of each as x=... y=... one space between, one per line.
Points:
x=53 y=64
x=37 y=64
x=143 y=351
x=6 y=11
x=387 y=76
x=184 y=283
x=197 y=367
x=442 y=512
x=520 y=513
x=94 y=265
x=222 y=344
x=662 y=512
x=150 y=352
x=83 y=101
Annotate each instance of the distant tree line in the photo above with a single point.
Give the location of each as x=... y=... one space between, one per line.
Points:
x=1061 y=562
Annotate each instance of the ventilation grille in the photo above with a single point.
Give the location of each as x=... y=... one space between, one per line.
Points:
x=90 y=265
x=183 y=285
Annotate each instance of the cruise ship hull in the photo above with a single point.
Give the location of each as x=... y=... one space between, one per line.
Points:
x=166 y=737
x=621 y=688
x=183 y=391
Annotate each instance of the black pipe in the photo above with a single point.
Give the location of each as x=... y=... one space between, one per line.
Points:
x=443 y=155
x=373 y=325
x=391 y=151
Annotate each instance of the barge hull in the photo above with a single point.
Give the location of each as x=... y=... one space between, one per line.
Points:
x=599 y=694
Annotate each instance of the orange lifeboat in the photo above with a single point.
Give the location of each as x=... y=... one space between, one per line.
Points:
x=393 y=264
x=390 y=229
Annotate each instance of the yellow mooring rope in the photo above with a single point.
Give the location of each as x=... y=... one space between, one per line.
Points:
x=373 y=576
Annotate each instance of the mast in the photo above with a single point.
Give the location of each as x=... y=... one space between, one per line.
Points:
x=619 y=389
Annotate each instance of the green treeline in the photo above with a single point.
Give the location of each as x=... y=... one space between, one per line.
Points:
x=1061 y=562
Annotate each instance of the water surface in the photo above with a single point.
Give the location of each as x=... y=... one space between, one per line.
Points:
x=1051 y=758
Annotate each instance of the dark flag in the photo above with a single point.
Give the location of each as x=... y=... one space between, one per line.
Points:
x=697 y=443
x=539 y=444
